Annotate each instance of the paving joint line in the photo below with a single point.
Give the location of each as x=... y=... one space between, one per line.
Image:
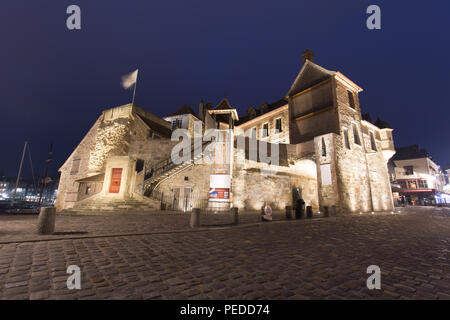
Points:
x=200 y=229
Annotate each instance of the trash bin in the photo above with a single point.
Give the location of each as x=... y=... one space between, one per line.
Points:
x=299 y=209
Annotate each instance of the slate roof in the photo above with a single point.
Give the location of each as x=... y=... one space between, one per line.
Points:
x=410 y=152
x=310 y=74
x=270 y=107
x=223 y=105
x=186 y=109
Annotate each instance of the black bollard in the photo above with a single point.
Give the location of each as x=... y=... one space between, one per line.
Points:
x=300 y=209
x=235 y=215
x=325 y=212
x=288 y=213
x=309 y=212
x=333 y=211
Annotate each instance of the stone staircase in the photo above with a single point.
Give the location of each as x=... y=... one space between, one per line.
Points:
x=103 y=205
x=166 y=168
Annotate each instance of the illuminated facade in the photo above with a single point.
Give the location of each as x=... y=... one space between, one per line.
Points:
x=421 y=180
x=328 y=155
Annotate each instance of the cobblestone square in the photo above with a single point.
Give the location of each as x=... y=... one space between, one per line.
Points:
x=158 y=257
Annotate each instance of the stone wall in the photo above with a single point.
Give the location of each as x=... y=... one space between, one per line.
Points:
x=270 y=118
x=253 y=186
x=68 y=188
x=117 y=132
x=195 y=177
x=354 y=165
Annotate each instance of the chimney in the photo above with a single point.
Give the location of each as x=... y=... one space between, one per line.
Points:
x=307 y=55
x=201 y=110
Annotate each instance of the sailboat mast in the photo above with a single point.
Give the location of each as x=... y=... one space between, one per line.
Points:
x=20 y=172
x=49 y=159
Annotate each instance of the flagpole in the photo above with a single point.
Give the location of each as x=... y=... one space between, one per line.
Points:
x=134 y=91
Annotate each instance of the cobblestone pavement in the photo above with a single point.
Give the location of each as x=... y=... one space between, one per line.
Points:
x=307 y=259
x=22 y=227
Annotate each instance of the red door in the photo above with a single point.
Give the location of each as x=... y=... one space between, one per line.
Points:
x=116 y=177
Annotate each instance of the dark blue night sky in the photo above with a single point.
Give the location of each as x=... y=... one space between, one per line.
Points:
x=56 y=82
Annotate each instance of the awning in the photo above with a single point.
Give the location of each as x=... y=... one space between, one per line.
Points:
x=95 y=178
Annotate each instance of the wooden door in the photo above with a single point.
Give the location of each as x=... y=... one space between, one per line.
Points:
x=176 y=199
x=116 y=178
x=187 y=200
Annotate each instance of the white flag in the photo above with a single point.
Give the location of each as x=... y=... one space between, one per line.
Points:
x=129 y=79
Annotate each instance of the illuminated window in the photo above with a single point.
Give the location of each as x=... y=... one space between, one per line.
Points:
x=423 y=184
x=412 y=184
x=356 y=138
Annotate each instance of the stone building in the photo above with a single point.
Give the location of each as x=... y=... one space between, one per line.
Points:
x=419 y=177
x=328 y=155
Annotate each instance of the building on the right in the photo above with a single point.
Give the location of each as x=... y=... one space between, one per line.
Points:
x=419 y=180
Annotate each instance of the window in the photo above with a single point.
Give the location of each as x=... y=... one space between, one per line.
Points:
x=324 y=148
x=423 y=184
x=176 y=124
x=351 y=99
x=412 y=184
x=75 y=166
x=373 y=145
x=403 y=184
x=265 y=130
x=278 y=126
x=346 y=140
x=356 y=138
x=409 y=170
x=253 y=134
x=88 y=189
